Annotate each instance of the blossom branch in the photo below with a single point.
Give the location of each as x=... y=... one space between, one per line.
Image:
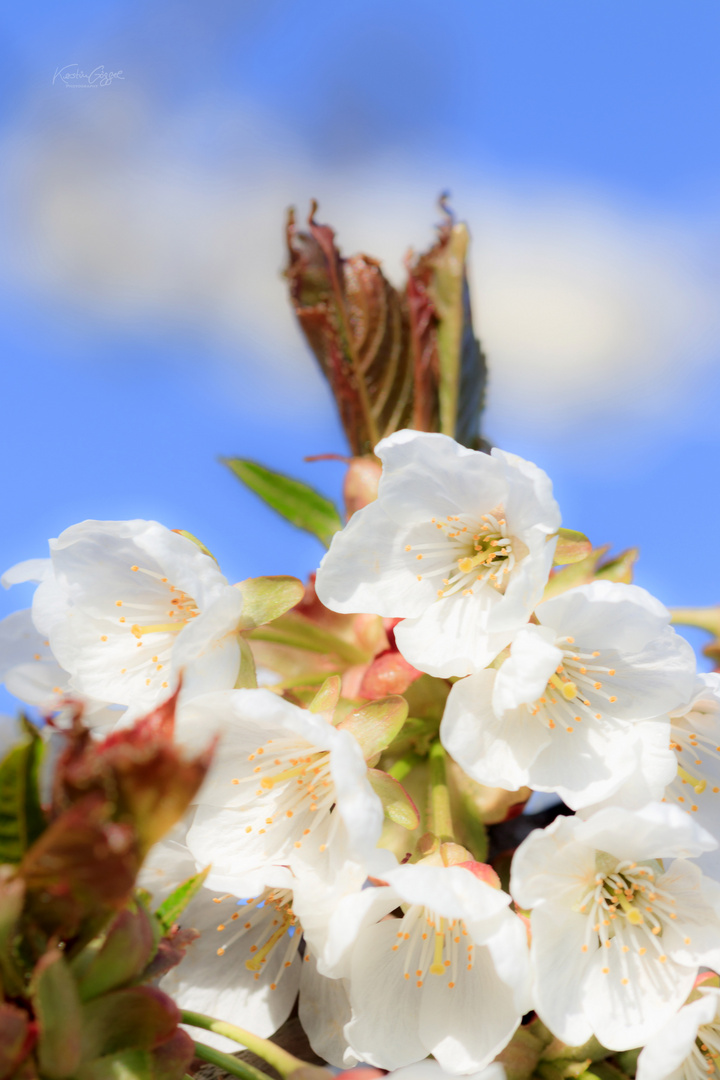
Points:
x=281 y=1060
x=230 y=1064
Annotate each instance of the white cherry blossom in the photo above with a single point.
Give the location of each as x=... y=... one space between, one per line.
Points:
x=695 y=739
x=249 y=961
x=458 y=544
x=687 y=1047
x=32 y=674
x=286 y=788
x=617 y=934
x=126 y=605
x=581 y=704
x=449 y=978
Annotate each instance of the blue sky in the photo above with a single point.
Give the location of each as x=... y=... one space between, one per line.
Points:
x=144 y=325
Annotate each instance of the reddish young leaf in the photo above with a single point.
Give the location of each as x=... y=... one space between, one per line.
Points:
x=357 y=326
x=83 y=865
x=139 y=770
x=170 y=951
x=18 y=1034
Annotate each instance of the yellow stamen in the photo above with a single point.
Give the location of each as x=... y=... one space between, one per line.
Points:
x=437 y=967
x=698 y=786
x=567 y=689
x=257 y=960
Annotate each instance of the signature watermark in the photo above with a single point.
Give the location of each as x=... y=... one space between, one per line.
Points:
x=73 y=77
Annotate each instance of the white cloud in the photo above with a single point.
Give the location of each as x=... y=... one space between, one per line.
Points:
x=584 y=307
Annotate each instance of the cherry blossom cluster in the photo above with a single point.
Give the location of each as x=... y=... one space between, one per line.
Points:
x=404 y=949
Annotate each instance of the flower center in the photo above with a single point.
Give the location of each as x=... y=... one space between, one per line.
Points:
x=260 y=926
x=181 y=608
x=626 y=912
x=698 y=757
x=705 y=1054
x=579 y=689
x=469 y=552
x=291 y=780
x=433 y=945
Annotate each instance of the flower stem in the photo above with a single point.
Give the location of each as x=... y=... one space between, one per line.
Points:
x=404 y=765
x=280 y=1059
x=228 y=1063
x=440 y=816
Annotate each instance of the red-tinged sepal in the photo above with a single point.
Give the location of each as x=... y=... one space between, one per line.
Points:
x=376 y=724
x=397 y=803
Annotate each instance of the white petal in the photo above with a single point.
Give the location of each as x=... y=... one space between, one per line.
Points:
x=653 y=832
x=324 y=1011
x=631 y=616
x=384 y=1030
x=666 y=1050
x=29 y=570
x=627 y=1015
x=222 y=986
x=492 y=749
x=551 y=864
x=524 y=676
x=451 y=636
x=367 y=569
x=467 y=1026
x=561 y=968
x=433 y=476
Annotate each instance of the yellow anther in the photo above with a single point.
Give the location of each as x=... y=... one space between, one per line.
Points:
x=567 y=689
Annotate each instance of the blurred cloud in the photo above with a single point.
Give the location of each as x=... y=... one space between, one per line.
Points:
x=586 y=308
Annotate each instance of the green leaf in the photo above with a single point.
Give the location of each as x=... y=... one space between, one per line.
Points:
x=619 y=569
x=572 y=546
x=21 y=816
x=137 y=1018
x=298 y=503
x=173 y=905
x=267 y=598
x=397 y=804
x=57 y=1008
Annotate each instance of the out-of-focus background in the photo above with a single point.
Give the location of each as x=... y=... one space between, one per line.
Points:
x=145 y=325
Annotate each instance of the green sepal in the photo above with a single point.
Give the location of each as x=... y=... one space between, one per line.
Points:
x=297 y=502
x=136 y=1018
x=300 y=633
x=247 y=675
x=12 y=896
x=397 y=803
x=376 y=724
x=21 y=817
x=572 y=547
x=267 y=598
x=173 y=905
x=57 y=1008
x=579 y=573
x=327 y=698
x=196 y=542
x=619 y=569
